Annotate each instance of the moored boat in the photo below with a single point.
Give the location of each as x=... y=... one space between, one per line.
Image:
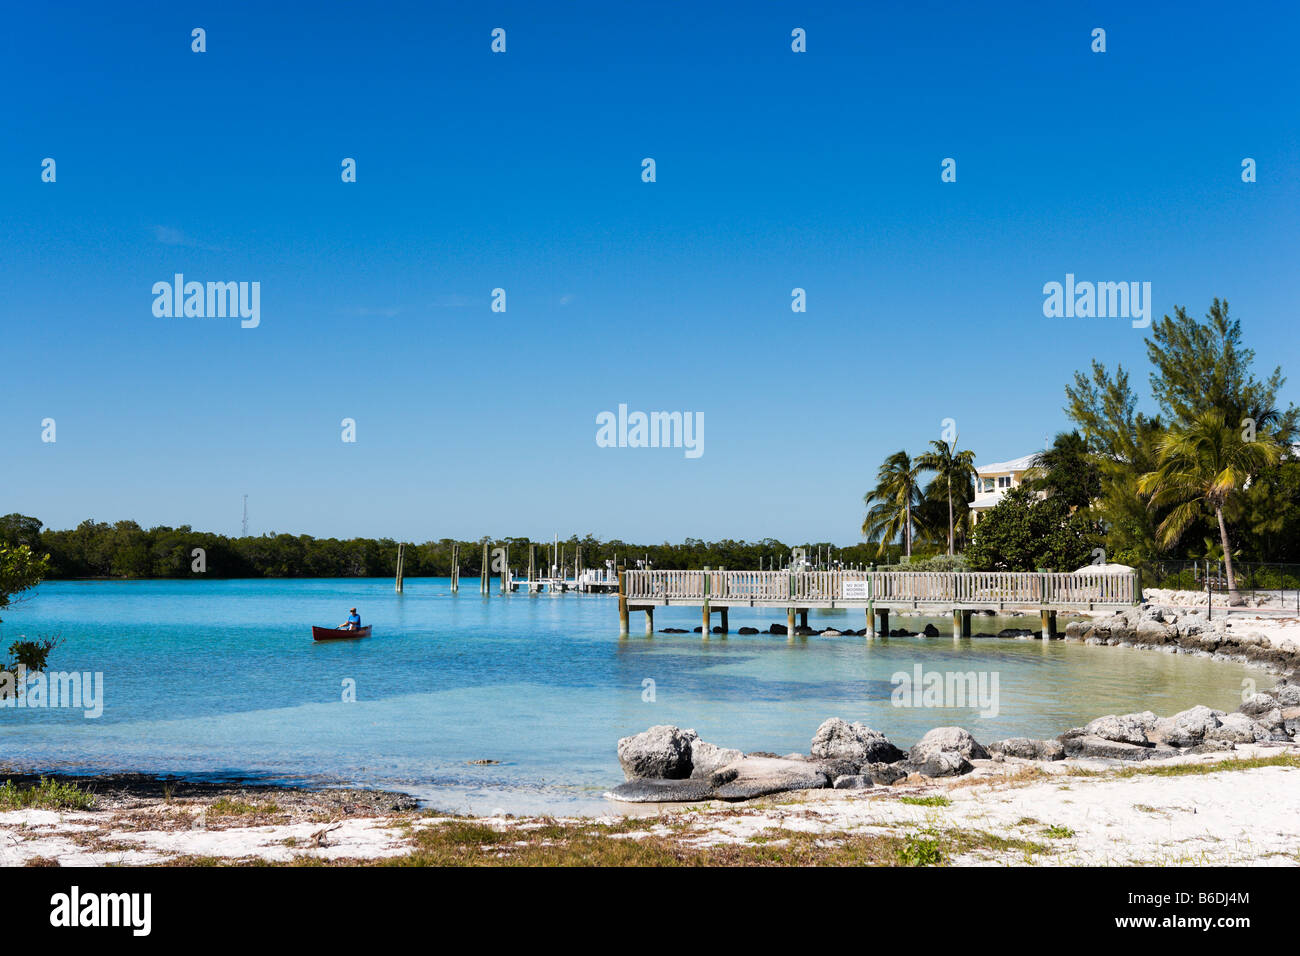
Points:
x=338 y=633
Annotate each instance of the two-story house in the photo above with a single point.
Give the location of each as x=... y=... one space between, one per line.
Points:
x=995 y=480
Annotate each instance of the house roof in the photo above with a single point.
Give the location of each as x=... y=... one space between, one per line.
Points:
x=1016 y=464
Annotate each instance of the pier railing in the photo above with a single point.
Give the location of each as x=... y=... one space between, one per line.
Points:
x=823 y=588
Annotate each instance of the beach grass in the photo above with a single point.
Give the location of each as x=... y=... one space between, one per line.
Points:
x=46 y=795
x=934 y=800
x=1221 y=766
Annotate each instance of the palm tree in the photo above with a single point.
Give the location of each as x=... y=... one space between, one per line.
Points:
x=952 y=468
x=1204 y=463
x=890 y=503
x=1067 y=469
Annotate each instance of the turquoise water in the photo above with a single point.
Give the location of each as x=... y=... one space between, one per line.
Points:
x=221 y=678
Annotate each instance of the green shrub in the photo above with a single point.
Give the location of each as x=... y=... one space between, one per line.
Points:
x=46 y=795
x=921 y=850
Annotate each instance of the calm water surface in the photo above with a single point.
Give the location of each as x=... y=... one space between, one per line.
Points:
x=222 y=678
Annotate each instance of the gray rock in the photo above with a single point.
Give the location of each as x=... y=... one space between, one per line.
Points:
x=1015 y=632
x=947 y=739
x=1091 y=746
x=1272 y=719
x=707 y=758
x=1212 y=747
x=884 y=774
x=651 y=790
x=1257 y=704
x=724 y=775
x=930 y=631
x=662 y=752
x=758 y=776
x=853 y=782
x=1239 y=729
x=1291 y=720
x=835 y=767
x=831 y=632
x=1028 y=748
x=839 y=740
x=945 y=763
x=1288 y=695
x=1124 y=728
x=1188 y=728
x=1153 y=632
x=747 y=630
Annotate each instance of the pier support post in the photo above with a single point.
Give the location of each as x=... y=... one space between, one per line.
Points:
x=803 y=617
x=958 y=620
x=965 y=623
x=1048 y=620
x=725 y=625
x=401 y=553
x=484 y=572
x=622 y=601
x=882 y=615
x=649 y=621
x=708 y=578
x=455 y=567
x=871 y=602
x=789 y=621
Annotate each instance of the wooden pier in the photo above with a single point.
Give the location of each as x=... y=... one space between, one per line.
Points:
x=961 y=593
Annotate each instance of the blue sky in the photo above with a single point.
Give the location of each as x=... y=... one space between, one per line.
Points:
x=522 y=170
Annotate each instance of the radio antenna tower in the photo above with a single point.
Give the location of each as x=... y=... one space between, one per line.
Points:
x=245 y=534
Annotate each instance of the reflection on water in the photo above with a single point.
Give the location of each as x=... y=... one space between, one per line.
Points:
x=221 y=677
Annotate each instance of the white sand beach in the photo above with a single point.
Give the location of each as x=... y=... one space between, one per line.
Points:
x=1223 y=811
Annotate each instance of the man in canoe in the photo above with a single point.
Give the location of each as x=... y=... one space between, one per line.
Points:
x=353 y=622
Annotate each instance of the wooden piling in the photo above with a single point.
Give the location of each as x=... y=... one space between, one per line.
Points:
x=704 y=631
x=725 y=625
x=622 y=601
x=484 y=571
x=455 y=566
x=649 y=622
x=401 y=548
x=1048 y=621
x=871 y=603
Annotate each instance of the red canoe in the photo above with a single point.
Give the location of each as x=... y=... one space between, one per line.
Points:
x=338 y=633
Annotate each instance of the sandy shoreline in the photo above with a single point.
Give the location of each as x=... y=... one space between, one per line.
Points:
x=1237 y=808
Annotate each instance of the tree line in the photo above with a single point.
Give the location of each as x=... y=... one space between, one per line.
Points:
x=123 y=549
x=1209 y=473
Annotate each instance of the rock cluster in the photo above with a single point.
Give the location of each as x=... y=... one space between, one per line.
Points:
x=1186 y=630
x=1262 y=718
x=671 y=765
